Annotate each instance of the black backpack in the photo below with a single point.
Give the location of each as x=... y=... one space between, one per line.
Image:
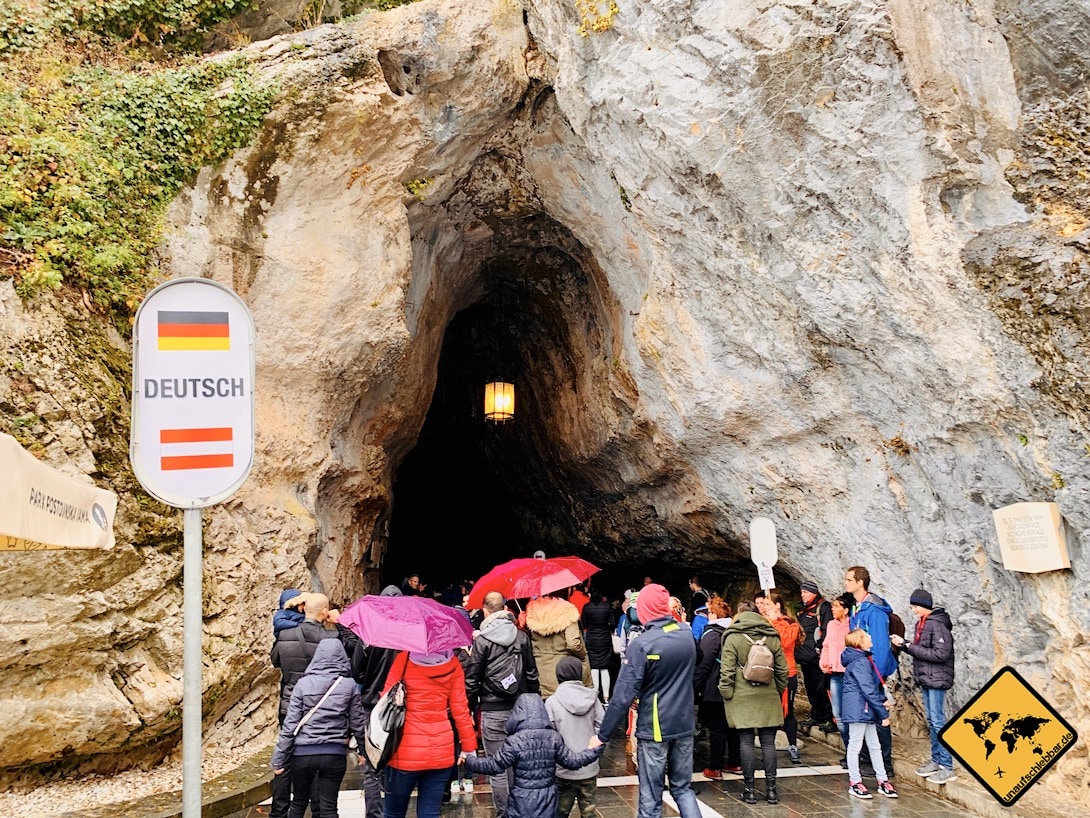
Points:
x=503 y=672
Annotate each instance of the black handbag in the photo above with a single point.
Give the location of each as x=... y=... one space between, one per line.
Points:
x=387 y=720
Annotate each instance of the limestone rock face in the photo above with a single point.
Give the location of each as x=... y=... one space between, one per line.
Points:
x=820 y=261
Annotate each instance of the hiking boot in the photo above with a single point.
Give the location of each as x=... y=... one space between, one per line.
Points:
x=828 y=727
x=943 y=776
x=859 y=790
x=887 y=790
x=928 y=769
x=748 y=794
x=805 y=725
x=793 y=751
x=715 y=775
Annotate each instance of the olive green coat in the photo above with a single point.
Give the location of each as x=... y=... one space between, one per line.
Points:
x=554 y=634
x=750 y=705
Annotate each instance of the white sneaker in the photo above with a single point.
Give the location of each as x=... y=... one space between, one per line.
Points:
x=467 y=785
x=455 y=787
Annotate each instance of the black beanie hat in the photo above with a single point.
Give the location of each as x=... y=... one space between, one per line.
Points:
x=569 y=669
x=922 y=598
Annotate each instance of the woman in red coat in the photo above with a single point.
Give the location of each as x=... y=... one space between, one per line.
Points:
x=790 y=636
x=434 y=686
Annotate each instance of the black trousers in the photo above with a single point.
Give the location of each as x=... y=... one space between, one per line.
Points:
x=722 y=739
x=767 y=736
x=817 y=691
x=281 y=795
x=319 y=775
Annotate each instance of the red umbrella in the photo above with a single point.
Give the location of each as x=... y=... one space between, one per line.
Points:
x=532 y=577
x=412 y=623
x=496 y=579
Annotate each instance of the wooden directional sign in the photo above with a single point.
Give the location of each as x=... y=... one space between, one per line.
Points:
x=192 y=438
x=1007 y=736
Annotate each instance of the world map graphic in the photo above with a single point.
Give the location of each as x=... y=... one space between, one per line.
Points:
x=1013 y=733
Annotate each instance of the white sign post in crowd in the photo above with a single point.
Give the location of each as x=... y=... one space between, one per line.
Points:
x=192 y=443
x=762 y=550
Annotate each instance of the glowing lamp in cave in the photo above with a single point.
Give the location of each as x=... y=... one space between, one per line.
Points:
x=499 y=401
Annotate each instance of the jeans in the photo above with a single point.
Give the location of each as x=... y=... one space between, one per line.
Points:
x=934 y=702
x=493 y=735
x=672 y=758
x=817 y=691
x=767 y=736
x=836 y=689
x=583 y=791
x=429 y=785
x=324 y=771
x=857 y=731
x=600 y=677
x=885 y=743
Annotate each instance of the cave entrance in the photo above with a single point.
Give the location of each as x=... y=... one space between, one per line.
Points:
x=476 y=492
x=571 y=474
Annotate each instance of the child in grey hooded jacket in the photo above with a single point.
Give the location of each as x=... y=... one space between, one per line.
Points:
x=576 y=714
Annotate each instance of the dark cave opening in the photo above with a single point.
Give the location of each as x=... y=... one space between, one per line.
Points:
x=573 y=473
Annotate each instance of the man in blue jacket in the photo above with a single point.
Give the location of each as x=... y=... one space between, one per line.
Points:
x=658 y=670
x=871 y=614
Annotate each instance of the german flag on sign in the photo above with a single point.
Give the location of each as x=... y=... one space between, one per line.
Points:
x=194 y=330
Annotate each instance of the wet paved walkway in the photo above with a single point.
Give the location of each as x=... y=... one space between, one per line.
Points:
x=817 y=787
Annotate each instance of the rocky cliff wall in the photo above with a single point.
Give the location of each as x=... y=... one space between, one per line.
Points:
x=821 y=261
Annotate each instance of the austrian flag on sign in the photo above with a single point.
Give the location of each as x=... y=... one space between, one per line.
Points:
x=196 y=448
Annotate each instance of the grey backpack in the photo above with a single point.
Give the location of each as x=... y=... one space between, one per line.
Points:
x=760 y=666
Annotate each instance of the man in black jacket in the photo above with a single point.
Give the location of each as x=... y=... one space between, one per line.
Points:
x=814 y=618
x=932 y=652
x=499 y=636
x=292 y=652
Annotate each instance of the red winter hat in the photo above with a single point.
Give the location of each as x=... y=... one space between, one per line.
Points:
x=652 y=603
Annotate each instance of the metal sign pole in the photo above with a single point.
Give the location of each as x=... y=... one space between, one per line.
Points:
x=192 y=627
x=192 y=444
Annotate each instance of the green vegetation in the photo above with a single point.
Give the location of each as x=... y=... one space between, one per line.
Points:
x=26 y=25
x=98 y=138
x=418 y=187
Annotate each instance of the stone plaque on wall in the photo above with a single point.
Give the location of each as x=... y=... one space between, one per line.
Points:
x=1031 y=537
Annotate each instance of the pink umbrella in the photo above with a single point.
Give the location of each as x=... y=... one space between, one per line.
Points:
x=534 y=577
x=413 y=623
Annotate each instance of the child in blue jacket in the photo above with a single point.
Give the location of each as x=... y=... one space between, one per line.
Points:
x=534 y=748
x=863 y=708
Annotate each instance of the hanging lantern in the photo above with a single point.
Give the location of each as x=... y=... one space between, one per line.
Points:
x=499 y=400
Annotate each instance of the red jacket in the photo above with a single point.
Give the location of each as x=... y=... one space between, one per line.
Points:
x=790 y=635
x=578 y=599
x=427 y=740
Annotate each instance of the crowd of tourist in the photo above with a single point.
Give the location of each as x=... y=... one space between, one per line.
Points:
x=547 y=682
